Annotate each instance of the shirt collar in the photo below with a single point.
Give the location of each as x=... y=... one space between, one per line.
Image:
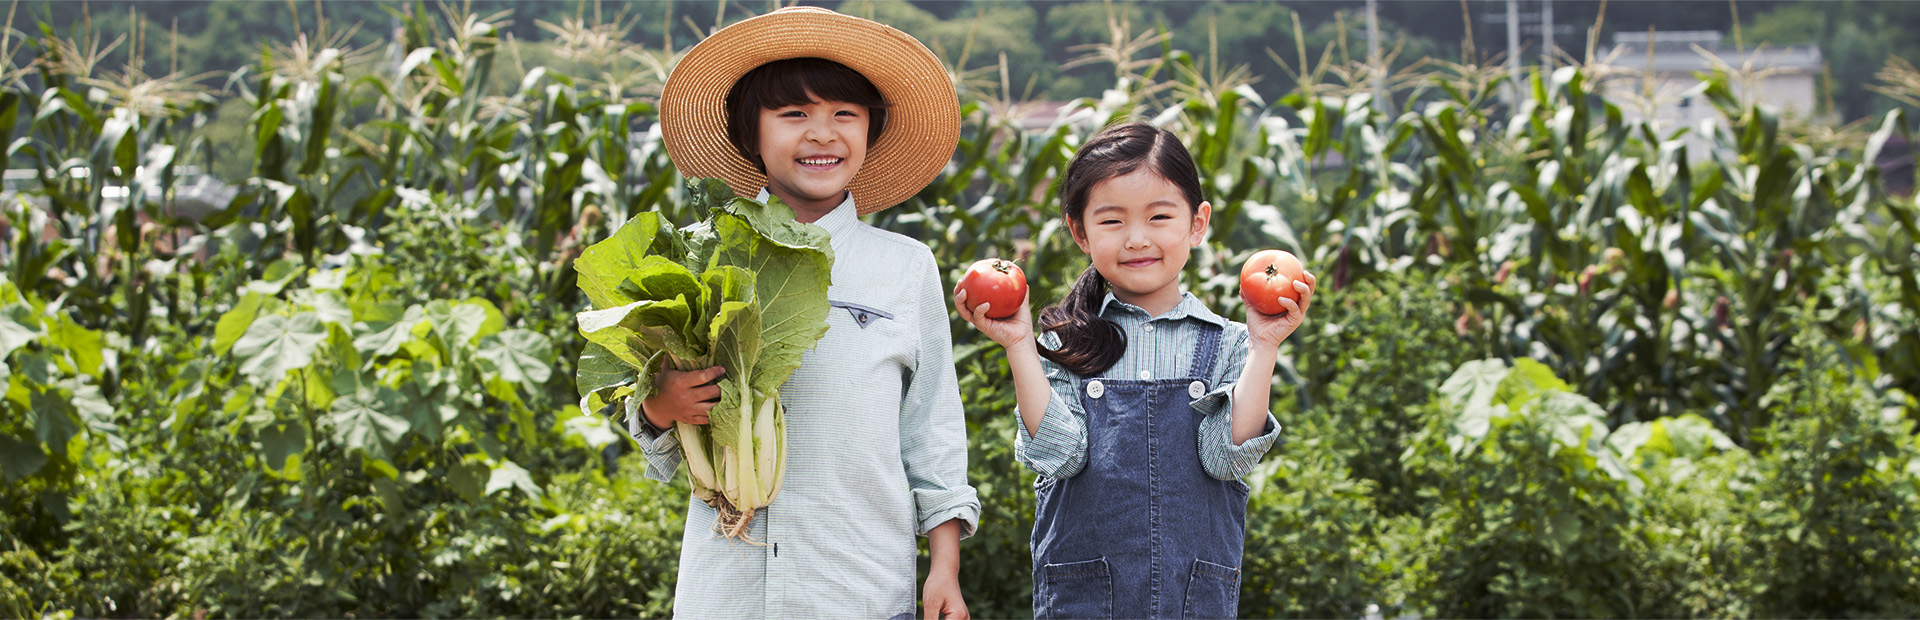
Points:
x=836 y=221
x=1189 y=307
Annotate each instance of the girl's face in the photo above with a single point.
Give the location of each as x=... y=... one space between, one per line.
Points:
x=811 y=152
x=1139 y=229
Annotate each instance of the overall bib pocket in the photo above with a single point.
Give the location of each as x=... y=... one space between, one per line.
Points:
x=1075 y=590
x=1213 y=591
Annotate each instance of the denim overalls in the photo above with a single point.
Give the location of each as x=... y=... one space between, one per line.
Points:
x=1143 y=531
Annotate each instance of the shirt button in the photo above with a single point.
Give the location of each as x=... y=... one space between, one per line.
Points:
x=1095 y=389
x=1196 y=389
x=1148 y=328
x=1144 y=375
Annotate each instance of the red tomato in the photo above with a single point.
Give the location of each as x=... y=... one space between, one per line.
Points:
x=1260 y=283
x=997 y=282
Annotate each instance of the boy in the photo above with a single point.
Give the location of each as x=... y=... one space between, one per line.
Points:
x=838 y=117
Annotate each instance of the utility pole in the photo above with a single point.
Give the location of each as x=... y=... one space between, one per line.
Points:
x=1375 y=66
x=1513 y=49
x=1548 y=46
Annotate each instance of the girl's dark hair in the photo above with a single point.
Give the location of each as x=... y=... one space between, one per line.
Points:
x=1089 y=344
x=788 y=82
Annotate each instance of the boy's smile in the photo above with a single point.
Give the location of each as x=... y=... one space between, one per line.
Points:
x=1139 y=230
x=812 y=152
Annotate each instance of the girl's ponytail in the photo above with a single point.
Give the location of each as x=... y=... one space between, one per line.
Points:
x=1089 y=344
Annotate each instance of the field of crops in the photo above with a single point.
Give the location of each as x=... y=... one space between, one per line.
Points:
x=1561 y=363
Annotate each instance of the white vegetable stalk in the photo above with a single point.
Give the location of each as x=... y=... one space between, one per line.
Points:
x=740 y=479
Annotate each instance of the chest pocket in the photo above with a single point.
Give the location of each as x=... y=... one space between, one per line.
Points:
x=863 y=316
x=871 y=334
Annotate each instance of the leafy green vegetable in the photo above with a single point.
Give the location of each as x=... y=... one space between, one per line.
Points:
x=745 y=290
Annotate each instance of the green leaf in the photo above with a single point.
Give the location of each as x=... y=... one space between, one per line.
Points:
x=20 y=458
x=1574 y=419
x=506 y=475
x=495 y=320
x=235 y=322
x=656 y=278
x=635 y=331
x=1474 y=422
x=468 y=479
x=519 y=356
x=331 y=306
x=457 y=323
x=599 y=369
x=381 y=339
x=276 y=344
x=1629 y=439
x=1475 y=383
x=95 y=413
x=725 y=283
x=1694 y=436
x=282 y=445
x=1567 y=528
x=604 y=265
x=591 y=429
x=361 y=421
x=54 y=419
x=85 y=346
x=18 y=326
x=1525 y=381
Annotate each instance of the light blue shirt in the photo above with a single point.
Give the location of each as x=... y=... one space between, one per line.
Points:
x=1158 y=347
x=876 y=452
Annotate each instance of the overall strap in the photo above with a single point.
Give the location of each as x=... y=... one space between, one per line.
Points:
x=1205 y=351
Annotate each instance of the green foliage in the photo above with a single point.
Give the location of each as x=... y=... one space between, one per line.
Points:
x=1695 y=563
x=1372 y=357
x=1836 y=498
x=1315 y=546
x=1533 y=511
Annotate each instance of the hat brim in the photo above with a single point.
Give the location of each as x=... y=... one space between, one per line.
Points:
x=923 y=114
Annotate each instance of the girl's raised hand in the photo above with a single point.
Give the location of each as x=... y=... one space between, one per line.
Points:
x=1270 y=330
x=1008 y=331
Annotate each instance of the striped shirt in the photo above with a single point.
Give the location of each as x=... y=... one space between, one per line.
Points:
x=1158 y=347
x=876 y=452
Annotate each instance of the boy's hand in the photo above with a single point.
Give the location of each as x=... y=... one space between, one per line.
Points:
x=941 y=597
x=682 y=396
x=1008 y=331
x=1269 y=330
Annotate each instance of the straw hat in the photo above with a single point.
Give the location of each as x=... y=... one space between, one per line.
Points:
x=923 y=117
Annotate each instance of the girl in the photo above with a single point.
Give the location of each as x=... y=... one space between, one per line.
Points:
x=1140 y=408
x=838 y=117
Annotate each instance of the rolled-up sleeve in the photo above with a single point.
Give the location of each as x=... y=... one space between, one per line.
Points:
x=1058 y=448
x=662 y=448
x=933 y=428
x=1219 y=455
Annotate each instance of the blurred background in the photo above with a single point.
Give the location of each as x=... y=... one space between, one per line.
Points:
x=1619 y=310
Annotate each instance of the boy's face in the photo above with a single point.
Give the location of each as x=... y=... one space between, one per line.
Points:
x=811 y=152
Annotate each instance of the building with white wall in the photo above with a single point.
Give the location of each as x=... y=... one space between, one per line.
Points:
x=1657 y=75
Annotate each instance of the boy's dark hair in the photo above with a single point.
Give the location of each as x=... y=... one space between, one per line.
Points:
x=788 y=82
x=1089 y=344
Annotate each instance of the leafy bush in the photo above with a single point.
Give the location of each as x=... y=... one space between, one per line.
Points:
x=1835 y=499
x=1312 y=548
x=1369 y=358
x=996 y=569
x=1532 y=511
x=1694 y=562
